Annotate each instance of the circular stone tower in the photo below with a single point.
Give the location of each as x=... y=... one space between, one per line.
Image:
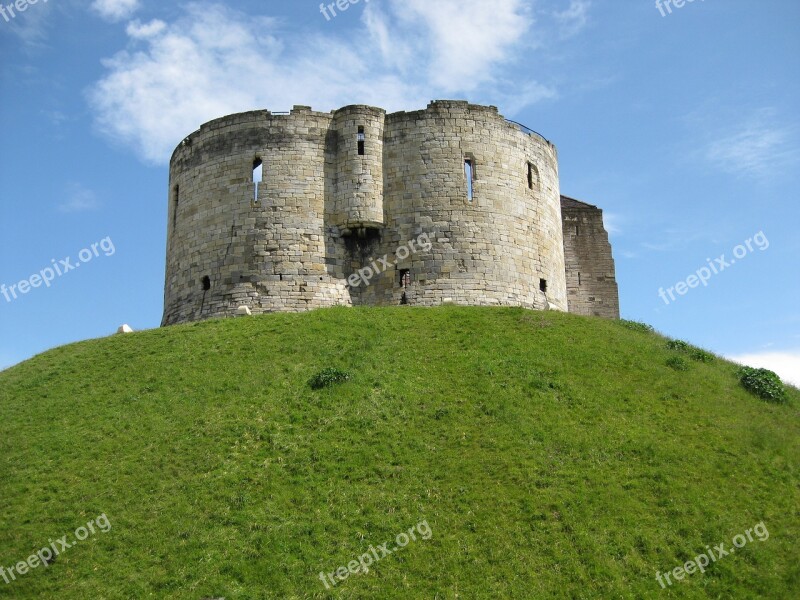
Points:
x=290 y=212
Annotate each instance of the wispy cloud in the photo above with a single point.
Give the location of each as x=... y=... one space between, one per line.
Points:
x=524 y=96
x=115 y=10
x=142 y=31
x=215 y=60
x=613 y=223
x=786 y=364
x=31 y=27
x=759 y=147
x=55 y=117
x=673 y=239
x=574 y=18
x=78 y=199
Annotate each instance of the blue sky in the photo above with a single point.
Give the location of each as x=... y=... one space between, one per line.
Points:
x=684 y=126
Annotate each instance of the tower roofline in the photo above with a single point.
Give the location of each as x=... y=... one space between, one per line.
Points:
x=575 y=203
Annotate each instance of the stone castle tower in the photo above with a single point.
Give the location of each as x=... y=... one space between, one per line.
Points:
x=451 y=204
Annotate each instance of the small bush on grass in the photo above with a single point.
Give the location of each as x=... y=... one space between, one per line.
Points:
x=637 y=326
x=701 y=355
x=694 y=352
x=677 y=363
x=763 y=383
x=678 y=345
x=328 y=377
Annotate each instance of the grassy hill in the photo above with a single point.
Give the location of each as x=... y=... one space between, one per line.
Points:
x=547 y=456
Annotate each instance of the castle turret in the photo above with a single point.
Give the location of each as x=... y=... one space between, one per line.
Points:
x=247 y=218
x=357 y=133
x=486 y=192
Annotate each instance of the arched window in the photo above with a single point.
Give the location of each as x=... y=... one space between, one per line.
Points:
x=258 y=176
x=533 y=176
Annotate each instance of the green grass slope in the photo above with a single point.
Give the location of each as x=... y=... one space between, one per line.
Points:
x=551 y=456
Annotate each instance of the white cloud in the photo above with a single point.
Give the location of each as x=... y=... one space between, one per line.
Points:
x=115 y=10
x=785 y=364
x=139 y=31
x=459 y=41
x=78 y=199
x=759 y=147
x=215 y=60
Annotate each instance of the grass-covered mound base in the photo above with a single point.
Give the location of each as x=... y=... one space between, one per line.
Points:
x=551 y=455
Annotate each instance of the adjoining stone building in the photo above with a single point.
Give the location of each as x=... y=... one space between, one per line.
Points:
x=282 y=211
x=591 y=281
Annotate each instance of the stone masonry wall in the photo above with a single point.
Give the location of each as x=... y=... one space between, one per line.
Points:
x=591 y=280
x=268 y=255
x=324 y=211
x=491 y=250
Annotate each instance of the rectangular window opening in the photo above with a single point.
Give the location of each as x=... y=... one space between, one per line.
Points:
x=579 y=278
x=543 y=285
x=469 y=173
x=175 y=207
x=258 y=176
x=530 y=176
x=362 y=138
x=405 y=277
